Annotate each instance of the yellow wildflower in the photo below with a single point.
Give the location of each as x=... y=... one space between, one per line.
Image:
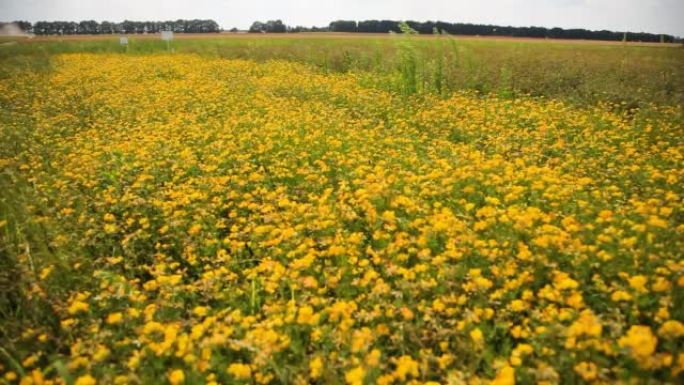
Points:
x=477 y=336
x=306 y=316
x=638 y=283
x=85 y=380
x=114 y=318
x=78 y=307
x=671 y=329
x=176 y=377
x=587 y=370
x=240 y=371
x=355 y=376
x=505 y=376
x=406 y=366
x=315 y=367
x=640 y=341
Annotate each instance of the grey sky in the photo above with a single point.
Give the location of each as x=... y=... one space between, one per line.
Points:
x=656 y=16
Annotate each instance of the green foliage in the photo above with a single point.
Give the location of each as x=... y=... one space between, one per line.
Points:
x=408 y=60
x=577 y=72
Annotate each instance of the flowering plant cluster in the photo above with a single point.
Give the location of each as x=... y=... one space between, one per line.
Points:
x=218 y=221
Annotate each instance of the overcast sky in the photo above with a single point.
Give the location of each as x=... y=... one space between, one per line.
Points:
x=656 y=16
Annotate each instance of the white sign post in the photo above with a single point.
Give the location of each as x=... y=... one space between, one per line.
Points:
x=123 y=41
x=167 y=36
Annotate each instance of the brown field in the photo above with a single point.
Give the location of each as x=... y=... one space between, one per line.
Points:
x=323 y=35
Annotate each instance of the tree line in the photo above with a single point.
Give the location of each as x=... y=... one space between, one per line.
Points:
x=92 y=27
x=430 y=27
x=89 y=27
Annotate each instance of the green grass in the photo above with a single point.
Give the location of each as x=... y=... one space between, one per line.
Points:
x=581 y=73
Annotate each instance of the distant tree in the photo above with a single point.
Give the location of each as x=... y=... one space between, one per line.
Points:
x=369 y=26
x=129 y=26
x=41 y=28
x=108 y=27
x=271 y=26
x=343 y=26
x=25 y=26
x=257 y=26
x=275 y=26
x=209 y=26
x=69 y=28
x=88 y=27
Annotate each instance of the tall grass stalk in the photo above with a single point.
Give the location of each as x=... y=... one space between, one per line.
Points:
x=408 y=60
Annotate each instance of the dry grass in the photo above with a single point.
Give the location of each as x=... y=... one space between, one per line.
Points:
x=335 y=35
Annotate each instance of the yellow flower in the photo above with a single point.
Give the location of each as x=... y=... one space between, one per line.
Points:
x=476 y=336
x=133 y=361
x=355 y=376
x=406 y=313
x=406 y=366
x=563 y=281
x=373 y=358
x=638 y=283
x=671 y=329
x=656 y=221
x=605 y=215
x=78 y=307
x=200 y=311
x=195 y=229
x=517 y=305
x=316 y=367
x=505 y=376
x=640 y=341
x=587 y=370
x=661 y=285
x=586 y=325
x=306 y=316
x=519 y=352
x=152 y=327
x=620 y=295
x=240 y=371
x=30 y=360
x=45 y=272
x=176 y=377
x=101 y=353
x=482 y=283
x=438 y=305
x=114 y=318
x=679 y=366
x=85 y=380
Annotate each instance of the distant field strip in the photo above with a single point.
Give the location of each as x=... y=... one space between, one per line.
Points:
x=570 y=70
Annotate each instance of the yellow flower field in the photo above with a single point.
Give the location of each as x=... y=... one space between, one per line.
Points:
x=210 y=221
